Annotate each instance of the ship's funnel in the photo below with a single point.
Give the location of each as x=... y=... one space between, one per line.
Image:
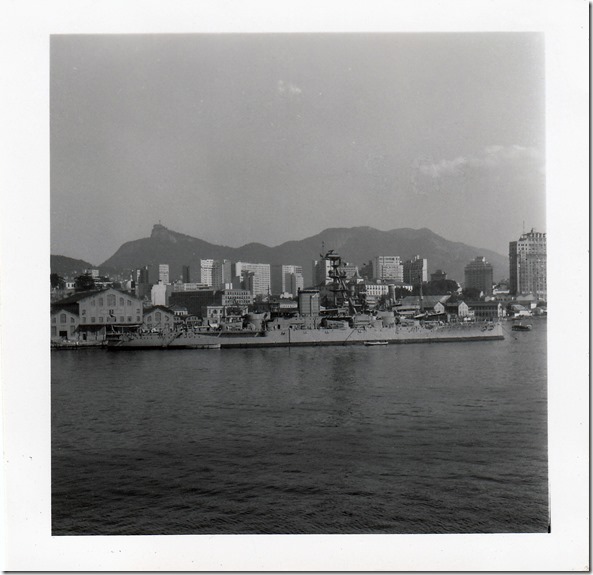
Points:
x=255 y=320
x=386 y=318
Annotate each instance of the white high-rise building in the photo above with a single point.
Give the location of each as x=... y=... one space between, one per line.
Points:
x=292 y=279
x=388 y=268
x=158 y=294
x=321 y=269
x=206 y=272
x=260 y=283
x=164 y=273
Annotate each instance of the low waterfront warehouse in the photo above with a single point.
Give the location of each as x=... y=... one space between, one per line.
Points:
x=97 y=311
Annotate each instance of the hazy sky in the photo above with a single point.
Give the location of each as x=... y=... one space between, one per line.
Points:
x=269 y=138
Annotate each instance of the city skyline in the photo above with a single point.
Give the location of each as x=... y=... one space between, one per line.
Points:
x=269 y=138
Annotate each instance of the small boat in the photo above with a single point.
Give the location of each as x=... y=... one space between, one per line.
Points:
x=382 y=342
x=521 y=327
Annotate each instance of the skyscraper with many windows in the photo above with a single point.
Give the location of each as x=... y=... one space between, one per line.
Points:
x=222 y=274
x=259 y=282
x=287 y=279
x=478 y=275
x=164 y=273
x=416 y=270
x=528 y=265
x=206 y=271
x=388 y=268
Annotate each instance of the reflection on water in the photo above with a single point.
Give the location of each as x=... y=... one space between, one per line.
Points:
x=421 y=438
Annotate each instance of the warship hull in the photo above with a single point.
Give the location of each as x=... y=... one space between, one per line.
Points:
x=308 y=337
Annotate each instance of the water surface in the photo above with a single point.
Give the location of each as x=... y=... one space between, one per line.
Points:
x=420 y=438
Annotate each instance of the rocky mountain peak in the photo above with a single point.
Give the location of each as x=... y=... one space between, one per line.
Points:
x=160 y=232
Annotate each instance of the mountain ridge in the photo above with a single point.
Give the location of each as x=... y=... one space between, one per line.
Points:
x=63 y=265
x=357 y=245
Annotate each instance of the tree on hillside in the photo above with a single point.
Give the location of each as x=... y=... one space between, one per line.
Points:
x=471 y=294
x=84 y=282
x=401 y=293
x=57 y=281
x=440 y=287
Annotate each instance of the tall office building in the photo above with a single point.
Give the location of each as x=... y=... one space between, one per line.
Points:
x=295 y=283
x=142 y=275
x=260 y=283
x=206 y=272
x=478 y=275
x=248 y=282
x=164 y=273
x=388 y=268
x=158 y=294
x=528 y=265
x=276 y=279
x=416 y=271
x=143 y=285
x=222 y=274
x=286 y=279
x=153 y=273
x=185 y=275
x=321 y=269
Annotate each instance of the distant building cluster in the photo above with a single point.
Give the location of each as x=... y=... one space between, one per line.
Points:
x=221 y=291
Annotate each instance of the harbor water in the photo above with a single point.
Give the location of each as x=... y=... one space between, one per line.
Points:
x=418 y=438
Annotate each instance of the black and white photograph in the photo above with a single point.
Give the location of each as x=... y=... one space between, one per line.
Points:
x=248 y=222
x=299 y=288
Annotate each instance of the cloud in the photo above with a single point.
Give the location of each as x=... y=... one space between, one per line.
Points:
x=288 y=88
x=490 y=157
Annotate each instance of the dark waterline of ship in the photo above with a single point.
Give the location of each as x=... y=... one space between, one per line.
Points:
x=422 y=438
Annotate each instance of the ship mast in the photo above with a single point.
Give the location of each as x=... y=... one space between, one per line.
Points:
x=338 y=285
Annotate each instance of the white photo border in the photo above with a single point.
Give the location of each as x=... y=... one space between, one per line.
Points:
x=25 y=33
